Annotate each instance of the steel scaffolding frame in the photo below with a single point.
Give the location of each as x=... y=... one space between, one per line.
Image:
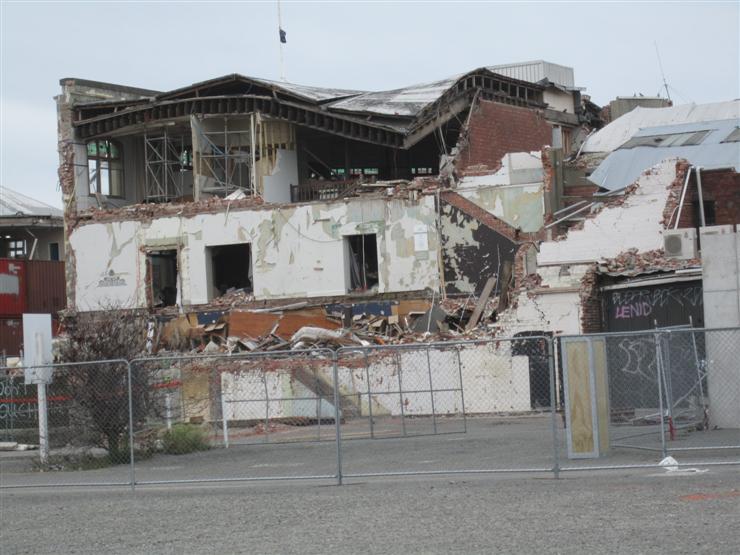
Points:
x=164 y=168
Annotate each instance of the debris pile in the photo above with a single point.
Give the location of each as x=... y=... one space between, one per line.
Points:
x=299 y=326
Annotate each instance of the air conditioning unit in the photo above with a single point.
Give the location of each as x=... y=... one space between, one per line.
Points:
x=680 y=243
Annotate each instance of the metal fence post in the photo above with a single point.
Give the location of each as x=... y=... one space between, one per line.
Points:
x=369 y=397
x=431 y=392
x=337 y=417
x=400 y=392
x=658 y=372
x=132 y=463
x=224 y=421
x=550 y=342
x=462 y=390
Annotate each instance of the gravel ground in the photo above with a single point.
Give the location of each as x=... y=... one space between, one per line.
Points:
x=644 y=511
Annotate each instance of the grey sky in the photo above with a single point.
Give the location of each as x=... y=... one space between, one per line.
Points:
x=358 y=45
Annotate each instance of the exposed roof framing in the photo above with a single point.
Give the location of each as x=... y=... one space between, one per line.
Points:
x=396 y=119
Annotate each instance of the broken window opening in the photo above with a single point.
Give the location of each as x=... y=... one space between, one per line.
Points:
x=163 y=277
x=362 y=254
x=224 y=158
x=105 y=168
x=231 y=268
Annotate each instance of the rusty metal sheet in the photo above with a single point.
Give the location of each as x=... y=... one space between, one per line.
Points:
x=45 y=287
x=11 y=336
x=291 y=322
x=251 y=324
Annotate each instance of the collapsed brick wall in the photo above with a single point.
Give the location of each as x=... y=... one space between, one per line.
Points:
x=721 y=187
x=497 y=129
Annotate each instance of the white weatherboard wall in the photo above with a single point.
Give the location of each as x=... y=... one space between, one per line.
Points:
x=493 y=381
x=720 y=254
x=297 y=251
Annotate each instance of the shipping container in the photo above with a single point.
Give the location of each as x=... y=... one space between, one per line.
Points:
x=45 y=287
x=12 y=287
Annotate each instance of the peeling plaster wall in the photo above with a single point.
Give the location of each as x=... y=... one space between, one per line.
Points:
x=514 y=193
x=297 y=251
x=558 y=312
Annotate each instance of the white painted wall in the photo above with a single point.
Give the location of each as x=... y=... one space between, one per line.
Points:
x=558 y=100
x=514 y=193
x=720 y=254
x=493 y=381
x=277 y=185
x=297 y=251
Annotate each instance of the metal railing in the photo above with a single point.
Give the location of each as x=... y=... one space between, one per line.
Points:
x=501 y=405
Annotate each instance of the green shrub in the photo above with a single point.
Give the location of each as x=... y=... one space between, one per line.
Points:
x=185 y=438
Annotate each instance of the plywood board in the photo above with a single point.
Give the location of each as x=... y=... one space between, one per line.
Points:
x=578 y=399
x=405 y=307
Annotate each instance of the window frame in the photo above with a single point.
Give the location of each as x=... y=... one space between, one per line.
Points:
x=98 y=159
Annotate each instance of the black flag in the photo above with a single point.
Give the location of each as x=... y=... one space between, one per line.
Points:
x=282 y=37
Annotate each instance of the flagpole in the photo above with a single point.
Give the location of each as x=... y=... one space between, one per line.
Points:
x=280 y=35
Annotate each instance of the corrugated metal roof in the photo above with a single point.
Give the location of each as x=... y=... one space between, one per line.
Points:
x=536 y=71
x=319 y=94
x=407 y=101
x=13 y=203
x=614 y=135
x=623 y=166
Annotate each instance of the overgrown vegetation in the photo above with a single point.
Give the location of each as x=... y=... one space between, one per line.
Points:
x=185 y=438
x=100 y=389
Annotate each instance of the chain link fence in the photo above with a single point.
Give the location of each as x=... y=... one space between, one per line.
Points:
x=530 y=403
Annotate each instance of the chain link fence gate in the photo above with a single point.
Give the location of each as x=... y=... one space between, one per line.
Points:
x=667 y=392
x=454 y=407
x=500 y=405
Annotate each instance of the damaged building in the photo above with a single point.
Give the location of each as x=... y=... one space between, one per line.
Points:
x=278 y=191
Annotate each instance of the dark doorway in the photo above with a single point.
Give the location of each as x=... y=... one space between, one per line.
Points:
x=362 y=251
x=231 y=267
x=163 y=275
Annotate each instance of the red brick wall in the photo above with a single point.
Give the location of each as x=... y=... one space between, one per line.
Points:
x=497 y=129
x=720 y=186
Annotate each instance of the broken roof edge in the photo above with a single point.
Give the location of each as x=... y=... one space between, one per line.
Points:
x=294 y=89
x=71 y=81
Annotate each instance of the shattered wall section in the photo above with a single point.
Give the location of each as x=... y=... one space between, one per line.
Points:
x=563 y=295
x=497 y=129
x=514 y=192
x=473 y=249
x=297 y=251
x=634 y=223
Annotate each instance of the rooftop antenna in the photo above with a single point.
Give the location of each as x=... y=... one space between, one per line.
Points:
x=662 y=73
x=283 y=40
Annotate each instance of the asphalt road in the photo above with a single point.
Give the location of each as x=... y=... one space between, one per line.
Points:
x=645 y=511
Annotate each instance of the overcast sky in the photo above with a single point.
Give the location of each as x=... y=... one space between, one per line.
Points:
x=357 y=45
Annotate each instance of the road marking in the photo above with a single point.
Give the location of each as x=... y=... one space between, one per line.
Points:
x=709 y=496
x=276 y=465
